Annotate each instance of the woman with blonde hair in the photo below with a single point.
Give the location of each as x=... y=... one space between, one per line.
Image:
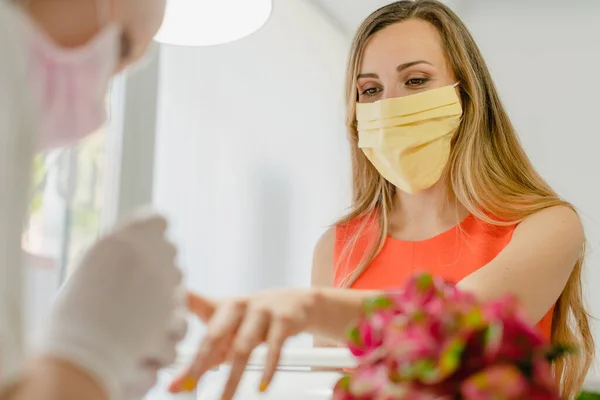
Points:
x=117 y=320
x=440 y=184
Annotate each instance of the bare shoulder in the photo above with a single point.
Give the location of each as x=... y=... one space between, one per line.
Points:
x=559 y=222
x=554 y=234
x=325 y=244
x=544 y=249
x=323 y=259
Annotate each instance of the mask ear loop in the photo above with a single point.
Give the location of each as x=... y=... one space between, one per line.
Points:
x=456 y=84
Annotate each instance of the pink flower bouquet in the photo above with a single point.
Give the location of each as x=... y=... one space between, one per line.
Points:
x=432 y=341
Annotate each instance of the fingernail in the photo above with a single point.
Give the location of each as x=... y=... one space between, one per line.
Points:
x=188 y=384
x=263 y=386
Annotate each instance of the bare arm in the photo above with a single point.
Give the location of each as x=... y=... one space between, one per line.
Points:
x=45 y=378
x=322 y=271
x=52 y=379
x=334 y=312
x=335 y=309
x=536 y=264
x=535 y=267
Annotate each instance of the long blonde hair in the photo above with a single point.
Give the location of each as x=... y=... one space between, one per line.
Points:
x=488 y=172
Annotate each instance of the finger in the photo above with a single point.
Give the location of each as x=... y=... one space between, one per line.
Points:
x=145 y=378
x=186 y=383
x=164 y=352
x=164 y=252
x=278 y=333
x=178 y=278
x=252 y=332
x=169 y=273
x=147 y=221
x=149 y=218
x=188 y=379
x=202 y=307
x=168 y=250
x=158 y=260
x=150 y=232
x=162 y=356
x=178 y=327
x=217 y=339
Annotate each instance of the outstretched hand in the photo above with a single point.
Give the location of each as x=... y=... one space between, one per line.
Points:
x=235 y=327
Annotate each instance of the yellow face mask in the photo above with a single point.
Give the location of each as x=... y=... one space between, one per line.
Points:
x=408 y=138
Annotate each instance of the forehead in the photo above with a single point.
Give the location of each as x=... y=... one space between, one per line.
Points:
x=401 y=43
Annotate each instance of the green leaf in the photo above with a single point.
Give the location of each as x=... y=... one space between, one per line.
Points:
x=424 y=282
x=474 y=318
x=451 y=356
x=344 y=382
x=354 y=336
x=559 y=351
x=588 y=396
x=373 y=304
x=426 y=370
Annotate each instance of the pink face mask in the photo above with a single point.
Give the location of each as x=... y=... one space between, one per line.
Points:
x=70 y=85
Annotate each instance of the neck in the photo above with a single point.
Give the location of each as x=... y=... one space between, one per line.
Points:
x=431 y=210
x=67 y=23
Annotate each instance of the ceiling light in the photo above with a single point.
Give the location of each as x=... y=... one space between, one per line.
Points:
x=212 y=22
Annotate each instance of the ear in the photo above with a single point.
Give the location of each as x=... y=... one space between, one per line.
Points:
x=201 y=306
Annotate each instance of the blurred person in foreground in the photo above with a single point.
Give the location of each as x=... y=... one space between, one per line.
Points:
x=118 y=318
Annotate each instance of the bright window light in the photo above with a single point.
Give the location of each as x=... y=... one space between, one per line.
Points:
x=212 y=22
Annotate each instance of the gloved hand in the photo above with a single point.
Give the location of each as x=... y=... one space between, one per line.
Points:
x=146 y=370
x=145 y=375
x=121 y=313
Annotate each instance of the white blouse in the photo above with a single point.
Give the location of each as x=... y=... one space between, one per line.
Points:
x=17 y=135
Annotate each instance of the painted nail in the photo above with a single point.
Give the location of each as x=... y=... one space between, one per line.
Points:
x=188 y=384
x=263 y=387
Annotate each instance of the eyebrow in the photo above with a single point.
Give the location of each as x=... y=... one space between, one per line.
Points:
x=399 y=68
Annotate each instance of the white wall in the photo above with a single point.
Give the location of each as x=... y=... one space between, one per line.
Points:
x=545 y=58
x=251 y=157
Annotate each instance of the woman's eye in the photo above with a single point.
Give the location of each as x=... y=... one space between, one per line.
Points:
x=415 y=82
x=370 y=92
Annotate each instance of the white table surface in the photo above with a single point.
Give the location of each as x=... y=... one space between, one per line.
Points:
x=159 y=392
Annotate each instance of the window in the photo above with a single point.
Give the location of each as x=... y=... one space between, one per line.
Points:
x=66 y=203
x=67 y=211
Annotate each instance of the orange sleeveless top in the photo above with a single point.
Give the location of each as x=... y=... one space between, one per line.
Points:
x=452 y=255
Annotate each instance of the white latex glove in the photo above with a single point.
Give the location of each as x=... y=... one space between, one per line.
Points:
x=120 y=314
x=146 y=371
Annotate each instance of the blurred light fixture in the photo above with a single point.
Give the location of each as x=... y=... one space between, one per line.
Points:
x=212 y=22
